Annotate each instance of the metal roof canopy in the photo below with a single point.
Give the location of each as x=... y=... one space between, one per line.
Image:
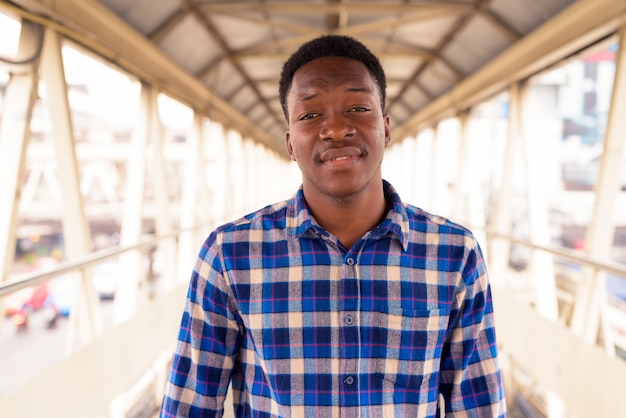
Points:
x=224 y=58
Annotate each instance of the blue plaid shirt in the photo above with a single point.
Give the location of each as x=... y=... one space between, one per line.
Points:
x=304 y=327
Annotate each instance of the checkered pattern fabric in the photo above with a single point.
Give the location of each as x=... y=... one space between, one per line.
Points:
x=303 y=327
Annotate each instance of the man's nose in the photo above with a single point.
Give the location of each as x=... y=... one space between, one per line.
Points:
x=337 y=126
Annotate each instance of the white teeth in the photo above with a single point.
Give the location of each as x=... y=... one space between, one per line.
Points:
x=340 y=158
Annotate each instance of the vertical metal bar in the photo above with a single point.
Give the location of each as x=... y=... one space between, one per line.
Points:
x=502 y=221
x=460 y=198
x=76 y=234
x=248 y=173
x=219 y=177
x=591 y=297
x=194 y=163
x=204 y=214
x=162 y=217
x=407 y=168
x=236 y=192
x=422 y=184
x=20 y=95
x=541 y=172
x=132 y=219
x=434 y=192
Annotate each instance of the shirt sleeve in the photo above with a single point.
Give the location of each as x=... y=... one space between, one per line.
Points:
x=471 y=381
x=208 y=342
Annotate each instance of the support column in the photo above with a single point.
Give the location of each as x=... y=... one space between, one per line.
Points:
x=163 y=223
x=218 y=176
x=499 y=248
x=191 y=194
x=460 y=209
x=408 y=169
x=422 y=183
x=248 y=168
x=235 y=194
x=132 y=220
x=76 y=234
x=20 y=96
x=591 y=295
x=434 y=192
x=542 y=172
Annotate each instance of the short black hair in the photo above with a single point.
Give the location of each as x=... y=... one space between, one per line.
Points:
x=330 y=46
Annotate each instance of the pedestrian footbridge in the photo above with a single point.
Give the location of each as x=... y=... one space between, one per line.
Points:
x=130 y=129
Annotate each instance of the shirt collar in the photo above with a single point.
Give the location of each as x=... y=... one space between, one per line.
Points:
x=300 y=220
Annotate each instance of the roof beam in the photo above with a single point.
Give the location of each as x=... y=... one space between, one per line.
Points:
x=332 y=8
x=504 y=27
x=169 y=24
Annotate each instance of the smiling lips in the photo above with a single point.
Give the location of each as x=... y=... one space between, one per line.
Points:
x=340 y=154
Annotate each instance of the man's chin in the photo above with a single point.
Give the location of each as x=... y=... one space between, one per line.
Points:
x=343 y=194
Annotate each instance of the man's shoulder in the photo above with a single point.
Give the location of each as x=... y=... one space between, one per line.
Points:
x=272 y=216
x=423 y=221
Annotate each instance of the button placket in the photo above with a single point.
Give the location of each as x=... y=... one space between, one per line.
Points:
x=350 y=351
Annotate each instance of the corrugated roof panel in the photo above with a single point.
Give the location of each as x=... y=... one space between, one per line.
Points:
x=311 y=21
x=438 y=78
x=257 y=112
x=240 y=33
x=525 y=16
x=268 y=89
x=399 y=114
x=189 y=44
x=427 y=33
x=400 y=67
x=475 y=45
x=263 y=68
x=144 y=15
x=414 y=98
x=244 y=98
x=225 y=80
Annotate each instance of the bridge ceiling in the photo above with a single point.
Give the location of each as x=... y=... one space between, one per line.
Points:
x=235 y=48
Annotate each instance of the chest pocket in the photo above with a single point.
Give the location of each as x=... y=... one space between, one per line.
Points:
x=409 y=345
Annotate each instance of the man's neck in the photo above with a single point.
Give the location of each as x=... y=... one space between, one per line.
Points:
x=349 y=219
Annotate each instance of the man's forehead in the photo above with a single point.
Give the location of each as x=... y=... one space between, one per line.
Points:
x=328 y=72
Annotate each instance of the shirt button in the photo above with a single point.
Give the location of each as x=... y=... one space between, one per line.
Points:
x=350 y=261
x=348 y=380
x=349 y=320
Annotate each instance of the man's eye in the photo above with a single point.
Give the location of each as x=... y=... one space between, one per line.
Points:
x=358 y=109
x=309 y=116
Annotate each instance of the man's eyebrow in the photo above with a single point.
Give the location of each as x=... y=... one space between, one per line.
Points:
x=358 y=90
x=306 y=97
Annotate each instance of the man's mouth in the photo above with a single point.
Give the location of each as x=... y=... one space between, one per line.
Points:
x=340 y=154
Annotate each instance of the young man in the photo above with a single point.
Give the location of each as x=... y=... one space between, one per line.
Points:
x=342 y=301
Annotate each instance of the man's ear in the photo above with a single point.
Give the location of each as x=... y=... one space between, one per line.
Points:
x=387 y=131
x=289 y=146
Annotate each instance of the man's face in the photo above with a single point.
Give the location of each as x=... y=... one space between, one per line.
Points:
x=337 y=131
